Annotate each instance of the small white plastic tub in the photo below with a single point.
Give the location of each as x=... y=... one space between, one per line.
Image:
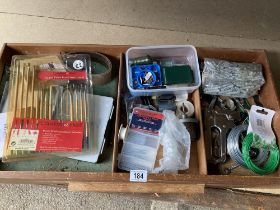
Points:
x=185 y=53
x=139 y=151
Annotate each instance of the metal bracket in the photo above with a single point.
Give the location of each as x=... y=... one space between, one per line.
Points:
x=218 y=124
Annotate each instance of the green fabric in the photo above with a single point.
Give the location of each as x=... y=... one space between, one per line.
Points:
x=175 y=75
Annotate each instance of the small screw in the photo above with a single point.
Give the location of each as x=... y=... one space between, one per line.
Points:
x=230 y=169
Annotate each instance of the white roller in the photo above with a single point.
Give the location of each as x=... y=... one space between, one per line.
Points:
x=185 y=109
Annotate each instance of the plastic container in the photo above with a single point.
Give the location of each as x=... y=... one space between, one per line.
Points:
x=139 y=151
x=184 y=54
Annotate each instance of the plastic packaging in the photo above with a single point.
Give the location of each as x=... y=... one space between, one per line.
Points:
x=142 y=102
x=47 y=102
x=237 y=80
x=166 y=55
x=139 y=151
x=141 y=143
x=176 y=143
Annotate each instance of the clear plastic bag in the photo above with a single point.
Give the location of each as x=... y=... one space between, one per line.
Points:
x=176 y=143
x=48 y=106
x=238 y=80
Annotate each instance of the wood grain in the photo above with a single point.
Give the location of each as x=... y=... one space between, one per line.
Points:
x=122 y=179
x=49 y=177
x=135 y=187
x=200 y=143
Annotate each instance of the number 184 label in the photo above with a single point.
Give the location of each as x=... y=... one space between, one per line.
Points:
x=138 y=176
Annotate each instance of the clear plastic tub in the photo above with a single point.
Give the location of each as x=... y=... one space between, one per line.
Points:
x=186 y=54
x=128 y=163
x=139 y=151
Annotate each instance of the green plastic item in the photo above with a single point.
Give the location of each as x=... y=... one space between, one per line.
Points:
x=271 y=164
x=178 y=74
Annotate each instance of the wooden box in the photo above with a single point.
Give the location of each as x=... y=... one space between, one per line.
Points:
x=190 y=181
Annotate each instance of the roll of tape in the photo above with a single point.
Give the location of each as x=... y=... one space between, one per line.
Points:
x=105 y=77
x=100 y=78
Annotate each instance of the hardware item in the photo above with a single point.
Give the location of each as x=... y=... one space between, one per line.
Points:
x=166 y=102
x=228 y=170
x=99 y=78
x=165 y=56
x=192 y=126
x=100 y=111
x=269 y=166
x=147 y=101
x=131 y=102
x=185 y=109
x=122 y=132
x=141 y=60
x=238 y=80
x=226 y=103
x=166 y=62
x=261 y=136
x=177 y=74
x=146 y=76
x=234 y=143
x=85 y=116
x=43 y=92
x=141 y=141
x=218 y=124
x=260 y=120
x=102 y=77
x=243 y=106
x=32 y=92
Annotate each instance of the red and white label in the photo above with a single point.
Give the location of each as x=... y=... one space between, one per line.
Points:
x=62 y=75
x=146 y=121
x=49 y=135
x=23 y=139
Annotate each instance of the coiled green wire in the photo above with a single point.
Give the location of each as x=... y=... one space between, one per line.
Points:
x=271 y=164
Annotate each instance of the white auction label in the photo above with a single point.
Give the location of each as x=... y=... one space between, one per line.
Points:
x=23 y=139
x=138 y=176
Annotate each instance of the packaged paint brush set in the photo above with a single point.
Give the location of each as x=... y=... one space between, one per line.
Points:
x=48 y=106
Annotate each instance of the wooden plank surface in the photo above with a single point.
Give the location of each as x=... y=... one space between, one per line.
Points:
x=135 y=187
x=122 y=178
x=119 y=178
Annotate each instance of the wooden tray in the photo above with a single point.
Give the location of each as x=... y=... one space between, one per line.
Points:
x=190 y=181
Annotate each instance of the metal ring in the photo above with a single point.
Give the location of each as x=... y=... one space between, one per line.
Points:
x=100 y=78
x=233 y=147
